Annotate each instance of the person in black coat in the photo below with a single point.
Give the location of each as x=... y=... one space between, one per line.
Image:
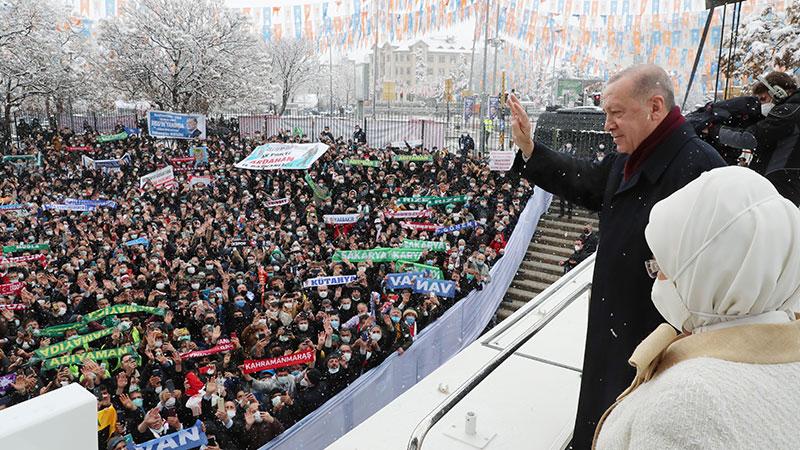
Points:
x=658 y=153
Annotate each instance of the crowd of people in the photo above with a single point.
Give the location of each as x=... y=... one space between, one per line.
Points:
x=212 y=275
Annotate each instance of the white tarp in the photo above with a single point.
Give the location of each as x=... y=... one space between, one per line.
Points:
x=283 y=156
x=501 y=160
x=161 y=178
x=455 y=330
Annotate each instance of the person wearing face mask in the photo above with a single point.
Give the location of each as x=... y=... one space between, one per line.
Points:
x=576 y=257
x=657 y=154
x=773 y=140
x=312 y=392
x=732 y=287
x=335 y=377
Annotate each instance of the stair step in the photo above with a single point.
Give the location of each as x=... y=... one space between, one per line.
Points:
x=557 y=234
x=555 y=241
x=552 y=249
x=544 y=257
x=542 y=267
x=563 y=225
x=537 y=275
x=529 y=285
x=520 y=295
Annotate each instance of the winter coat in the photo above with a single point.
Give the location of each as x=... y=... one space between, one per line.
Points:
x=620 y=313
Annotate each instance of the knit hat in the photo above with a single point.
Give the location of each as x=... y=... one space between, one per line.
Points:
x=113 y=442
x=313 y=376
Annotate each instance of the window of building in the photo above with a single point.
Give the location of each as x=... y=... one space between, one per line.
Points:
x=430 y=71
x=430 y=58
x=441 y=59
x=441 y=71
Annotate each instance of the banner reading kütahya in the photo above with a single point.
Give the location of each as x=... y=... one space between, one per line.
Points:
x=283 y=156
x=329 y=281
x=164 y=124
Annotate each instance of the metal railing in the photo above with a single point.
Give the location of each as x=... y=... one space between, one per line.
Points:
x=422 y=429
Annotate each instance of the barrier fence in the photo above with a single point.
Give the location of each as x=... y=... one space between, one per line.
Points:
x=460 y=326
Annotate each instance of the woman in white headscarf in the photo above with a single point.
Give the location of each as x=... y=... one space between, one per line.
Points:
x=727 y=262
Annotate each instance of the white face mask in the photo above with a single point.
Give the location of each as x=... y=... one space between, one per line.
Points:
x=303 y=327
x=669 y=303
x=323 y=294
x=766 y=108
x=346 y=306
x=375 y=336
x=333 y=370
x=347 y=356
x=231 y=413
x=346 y=339
x=304 y=382
x=276 y=401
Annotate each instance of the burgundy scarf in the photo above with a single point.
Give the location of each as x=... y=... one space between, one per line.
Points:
x=670 y=123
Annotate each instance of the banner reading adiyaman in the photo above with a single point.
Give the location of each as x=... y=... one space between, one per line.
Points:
x=283 y=156
x=163 y=124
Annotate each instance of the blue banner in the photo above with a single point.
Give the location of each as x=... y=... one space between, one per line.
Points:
x=402 y=280
x=442 y=288
x=469 y=105
x=12 y=206
x=200 y=154
x=139 y=241
x=67 y=207
x=163 y=124
x=93 y=203
x=185 y=439
x=452 y=228
x=133 y=131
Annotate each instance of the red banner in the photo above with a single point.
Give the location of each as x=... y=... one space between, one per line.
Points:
x=257 y=365
x=84 y=148
x=12 y=307
x=223 y=345
x=11 y=288
x=13 y=261
x=420 y=226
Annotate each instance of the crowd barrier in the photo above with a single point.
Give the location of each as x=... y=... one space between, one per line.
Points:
x=454 y=331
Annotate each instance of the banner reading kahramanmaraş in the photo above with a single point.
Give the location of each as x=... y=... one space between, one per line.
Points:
x=329 y=281
x=283 y=156
x=436 y=246
x=11 y=288
x=403 y=280
x=163 y=124
x=98 y=355
x=257 y=365
x=378 y=255
x=161 y=178
x=340 y=219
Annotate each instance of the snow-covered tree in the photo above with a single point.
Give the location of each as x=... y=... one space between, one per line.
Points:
x=294 y=63
x=769 y=40
x=183 y=55
x=40 y=59
x=420 y=66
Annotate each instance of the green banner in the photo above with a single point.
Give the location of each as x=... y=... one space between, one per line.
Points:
x=25 y=248
x=431 y=271
x=112 y=137
x=407 y=200
x=378 y=255
x=58 y=331
x=434 y=246
x=362 y=162
x=448 y=200
x=408 y=158
x=99 y=355
x=319 y=193
x=37 y=158
x=121 y=309
x=71 y=344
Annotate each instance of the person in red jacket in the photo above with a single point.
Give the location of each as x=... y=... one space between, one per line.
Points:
x=498 y=243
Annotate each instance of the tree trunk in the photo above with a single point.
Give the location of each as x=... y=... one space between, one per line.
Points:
x=284 y=102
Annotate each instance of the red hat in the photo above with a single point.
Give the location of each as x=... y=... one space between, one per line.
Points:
x=194 y=384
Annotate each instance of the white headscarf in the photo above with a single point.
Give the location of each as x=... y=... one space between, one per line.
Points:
x=729 y=245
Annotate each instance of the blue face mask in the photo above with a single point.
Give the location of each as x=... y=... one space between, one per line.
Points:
x=138 y=402
x=395 y=319
x=410 y=320
x=335 y=324
x=240 y=303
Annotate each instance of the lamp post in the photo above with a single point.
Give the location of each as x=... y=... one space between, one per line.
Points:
x=553 y=51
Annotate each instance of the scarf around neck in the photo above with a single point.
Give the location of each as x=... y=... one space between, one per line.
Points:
x=670 y=123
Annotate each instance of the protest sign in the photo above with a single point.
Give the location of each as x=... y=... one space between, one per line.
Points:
x=412 y=158
x=107 y=165
x=200 y=154
x=340 y=219
x=403 y=280
x=441 y=288
x=257 y=365
x=410 y=214
x=164 y=124
x=458 y=227
x=184 y=439
x=435 y=246
x=94 y=203
x=329 y=281
x=201 y=180
x=223 y=345
x=277 y=202
x=71 y=344
x=161 y=178
x=112 y=137
x=283 y=156
x=133 y=131
x=67 y=207
x=501 y=160
x=378 y=255
x=98 y=355
x=182 y=164
x=362 y=162
x=25 y=248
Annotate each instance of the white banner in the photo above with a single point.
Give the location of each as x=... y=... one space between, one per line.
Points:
x=329 y=281
x=283 y=156
x=161 y=178
x=277 y=202
x=501 y=160
x=195 y=180
x=410 y=214
x=340 y=219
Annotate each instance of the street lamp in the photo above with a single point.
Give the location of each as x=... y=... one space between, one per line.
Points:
x=553 y=53
x=497 y=43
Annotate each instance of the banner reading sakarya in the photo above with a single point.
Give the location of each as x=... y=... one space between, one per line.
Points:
x=283 y=156
x=163 y=124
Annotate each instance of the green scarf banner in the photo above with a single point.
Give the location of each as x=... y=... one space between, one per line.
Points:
x=406 y=200
x=37 y=158
x=403 y=158
x=58 y=331
x=98 y=355
x=112 y=137
x=25 y=248
x=319 y=193
x=121 y=309
x=378 y=255
x=71 y=344
x=362 y=162
x=448 y=200
x=430 y=271
x=434 y=246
